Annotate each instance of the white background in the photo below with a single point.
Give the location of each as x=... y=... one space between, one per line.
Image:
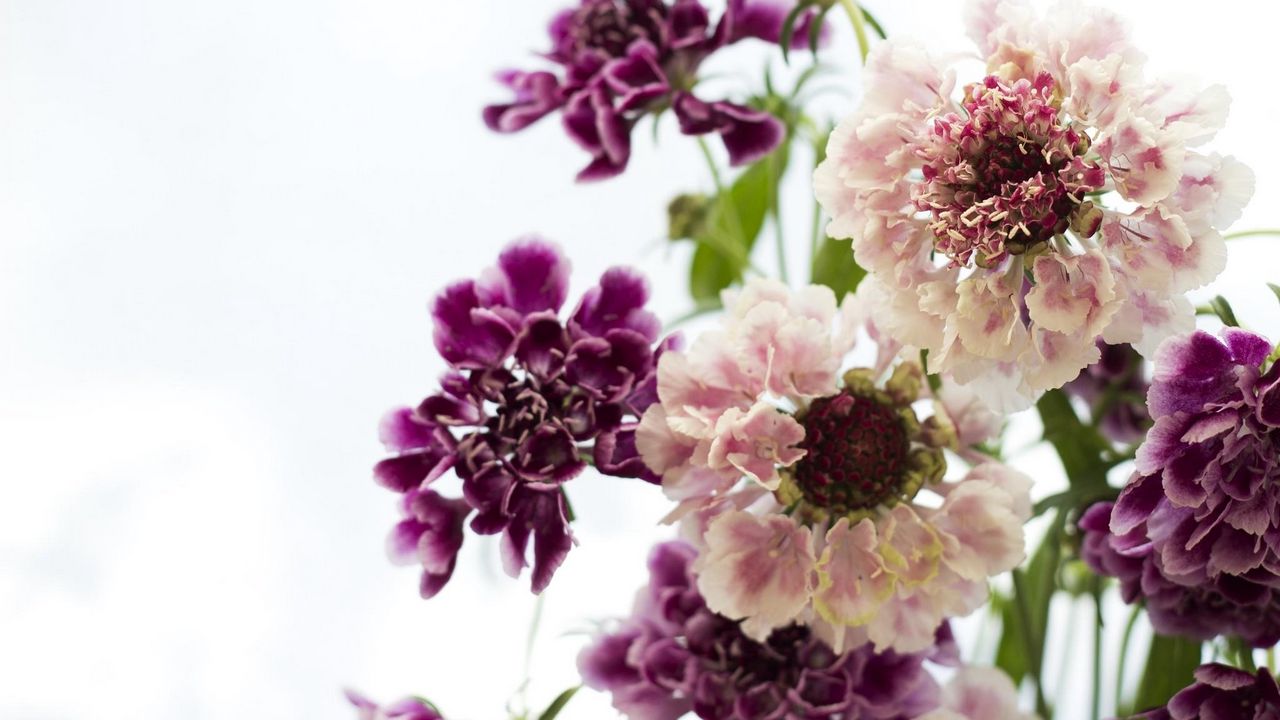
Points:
x=221 y=223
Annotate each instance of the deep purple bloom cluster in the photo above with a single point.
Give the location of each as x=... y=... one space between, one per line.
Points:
x=1116 y=391
x=1196 y=532
x=1223 y=693
x=674 y=656
x=528 y=399
x=406 y=709
x=623 y=59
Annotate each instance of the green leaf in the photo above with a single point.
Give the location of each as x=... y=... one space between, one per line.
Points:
x=733 y=225
x=558 y=704
x=1040 y=581
x=835 y=267
x=1081 y=448
x=1171 y=664
x=1275 y=289
x=875 y=24
x=1223 y=310
x=788 y=31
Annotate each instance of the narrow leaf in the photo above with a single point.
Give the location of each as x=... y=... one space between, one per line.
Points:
x=1223 y=310
x=1080 y=447
x=1171 y=664
x=558 y=704
x=734 y=224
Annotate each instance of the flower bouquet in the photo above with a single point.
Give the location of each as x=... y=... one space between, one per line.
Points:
x=1003 y=236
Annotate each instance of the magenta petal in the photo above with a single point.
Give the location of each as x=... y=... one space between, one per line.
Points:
x=1191 y=370
x=750 y=134
x=406 y=472
x=537 y=94
x=1248 y=349
x=542 y=344
x=1135 y=504
x=466 y=336
x=604 y=665
x=532 y=275
x=617 y=301
x=402 y=429
x=636 y=78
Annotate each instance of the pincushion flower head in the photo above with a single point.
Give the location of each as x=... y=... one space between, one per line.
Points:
x=1196 y=531
x=621 y=60
x=529 y=401
x=820 y=496
x=1009 y=221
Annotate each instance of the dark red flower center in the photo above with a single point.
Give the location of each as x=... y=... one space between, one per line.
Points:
x=1006 y=175
x=857 y=453
x=611 y=26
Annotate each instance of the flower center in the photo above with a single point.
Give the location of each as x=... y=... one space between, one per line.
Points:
x=857 y=450
x=610 y=26
x=1006 y=176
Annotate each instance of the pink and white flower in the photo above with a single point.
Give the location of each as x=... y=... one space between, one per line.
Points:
x=1010 y=222
x=819 y=497
x=979 y=693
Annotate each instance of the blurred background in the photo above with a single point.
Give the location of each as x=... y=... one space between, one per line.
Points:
x=221 y=225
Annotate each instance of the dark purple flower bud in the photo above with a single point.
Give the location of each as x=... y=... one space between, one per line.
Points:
x=1221 y=692
x=1196 y=531
x=528 y=399
x=674 y=656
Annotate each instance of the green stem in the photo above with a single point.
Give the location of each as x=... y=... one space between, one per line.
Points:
x=774 y=175
x=1097 y=648
x=859 y=26
x=1260 y=232
x=722 y=194
x=1030 y=642
x=814 y=238
x=1271 y=659
x=1124 y=651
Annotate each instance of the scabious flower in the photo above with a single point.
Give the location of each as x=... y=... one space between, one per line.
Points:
x=529 y=400
x=1221 y=692
x=674 y=656
x=1116 y=391
x=1196 y=531
x=621 y=60
x=1054 y=201
x=406 y=709
x=812 y=492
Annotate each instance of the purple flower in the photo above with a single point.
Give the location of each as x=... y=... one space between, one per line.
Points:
x=1221 y=692
x=406 y=709
x=674 y=656
x=1116 y=391
x=1197 y=529
x=621 y=60
x=530 y=400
